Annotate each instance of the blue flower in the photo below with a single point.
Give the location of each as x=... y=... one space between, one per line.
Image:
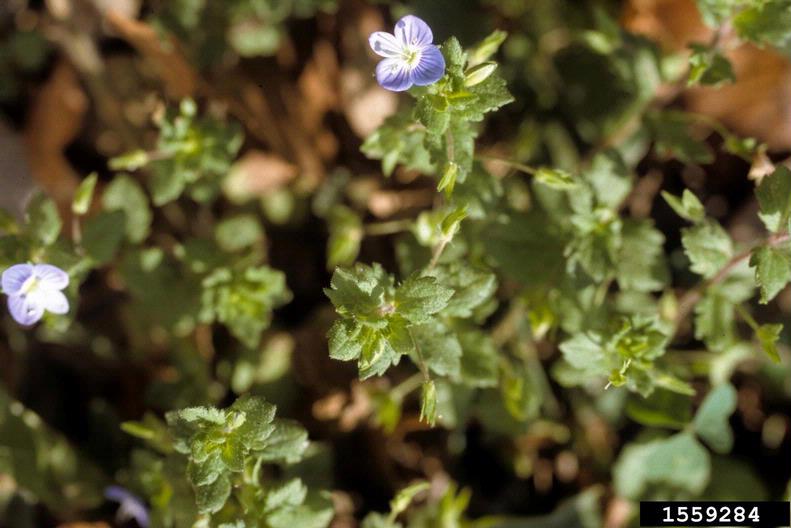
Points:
x=34 y=288
x=410 y=56
x=131 y=507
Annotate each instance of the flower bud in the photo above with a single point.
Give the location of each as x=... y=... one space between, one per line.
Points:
x=478 y=74
x=487 y=48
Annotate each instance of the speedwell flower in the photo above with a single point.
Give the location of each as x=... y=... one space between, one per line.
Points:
x=131 y=507
x=34 y=288
x=410 y=56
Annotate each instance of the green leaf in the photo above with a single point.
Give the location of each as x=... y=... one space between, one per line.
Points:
x=360 y=291
x=84 y=195
x=687 y=207
x=711 y=420
x=594 y=248
x=431 y=112
x=521 y=394
x=243 y=301
x=43 y=220
x=289 y=493
x=455 y=58
x=641 y=265
x=479 y=73
x=486 y=48
x=344 y=342
x=709 y=67
x=307 y=515
x=451 y=223
x=585 y=352
x=346 y=234
x=212 y=497
x=708 y=247
x=205 y=469
x=396 y=141
x=774 y=199
x=102 y=235
x=772 y=270
x=715 y=12
x=662 y=408
x=256 y=427
x=448 y=180
x=677 y=463
x=130 y=161
x=766 y=22
x=768 y=335
x=287 y=443
x=375 y=349
x=404 y=497
x=479 y=359
x=555 y=178
x=673 y=138
x=609 y=178
x=238 y=232
x=125 y=194
x=418 y=298
x=438 y=348
x=428 y=403
x=472 y=287
x=715 y=312
x=194 y=153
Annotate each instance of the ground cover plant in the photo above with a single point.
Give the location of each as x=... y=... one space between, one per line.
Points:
x=311 y=263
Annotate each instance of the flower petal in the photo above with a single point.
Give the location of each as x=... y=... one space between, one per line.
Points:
x=23 y=310
x=133 y=508
x=430 y=68
x=116 y=493
x=51 y=276
x=384 y=44
x=412 y=31
x=15 y=276
x=393 y=74
x=54 y=301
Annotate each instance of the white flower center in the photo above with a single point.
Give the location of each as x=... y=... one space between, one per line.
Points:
x=411 y=55
x=30 y=285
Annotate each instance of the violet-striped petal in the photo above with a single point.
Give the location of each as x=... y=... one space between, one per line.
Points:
x=24 y=311
x=384 y=44
x=131 y=507
x=15 y=276
x=412 y=31
x=53 y=276
x=393 y=74
x=430 y=68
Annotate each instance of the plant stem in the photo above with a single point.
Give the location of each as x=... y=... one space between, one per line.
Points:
x=388 y=228
x=527 y=169
x=421 y=362
x=688 y=301
x=413 y=382
x=742 y=311
x=436 y=253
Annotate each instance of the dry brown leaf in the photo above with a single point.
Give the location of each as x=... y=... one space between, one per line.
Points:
x=179 y=78
x=257 y=173
x=384 y=204
x=317 y=83
x=758 y=104
x=56 y=116
x=365 y=104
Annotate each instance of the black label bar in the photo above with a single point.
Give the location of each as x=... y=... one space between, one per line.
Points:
x=702 y=513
